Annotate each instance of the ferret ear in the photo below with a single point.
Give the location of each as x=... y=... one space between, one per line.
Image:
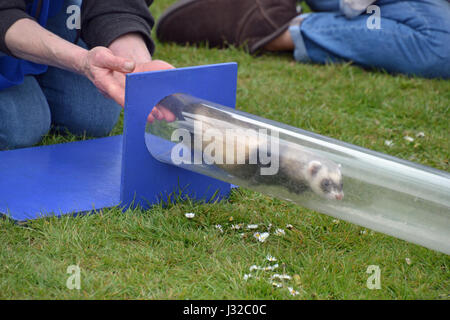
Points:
x=314 y=167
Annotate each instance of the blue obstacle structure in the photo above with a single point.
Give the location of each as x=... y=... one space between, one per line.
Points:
x=100 y=173
x=383 y=193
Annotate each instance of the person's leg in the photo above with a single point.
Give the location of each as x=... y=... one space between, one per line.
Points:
x=413 y=38
x=75 y=103
x=24 y=115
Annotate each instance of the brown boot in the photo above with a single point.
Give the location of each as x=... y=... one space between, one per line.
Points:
x=252 y=23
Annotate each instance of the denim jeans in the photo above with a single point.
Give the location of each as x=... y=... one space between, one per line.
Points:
x=414 y=37
x=56 y=98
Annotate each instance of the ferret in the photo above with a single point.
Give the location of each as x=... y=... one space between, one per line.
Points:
x=301 y=170
x=298 y=169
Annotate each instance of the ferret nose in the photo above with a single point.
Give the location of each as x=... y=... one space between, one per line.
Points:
x=339 y=196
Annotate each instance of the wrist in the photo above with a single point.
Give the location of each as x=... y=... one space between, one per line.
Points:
x=79 y=59
x=131 y=46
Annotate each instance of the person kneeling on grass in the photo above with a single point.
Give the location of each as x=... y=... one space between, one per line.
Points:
x=400 y=36
x=49 y=77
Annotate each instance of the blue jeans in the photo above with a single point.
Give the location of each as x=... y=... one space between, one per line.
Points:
x=57 y=98
x=414 y=37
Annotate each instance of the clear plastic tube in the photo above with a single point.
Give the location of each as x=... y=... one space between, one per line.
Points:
x=390 y=195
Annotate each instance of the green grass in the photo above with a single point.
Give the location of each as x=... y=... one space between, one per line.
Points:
x=160 y=254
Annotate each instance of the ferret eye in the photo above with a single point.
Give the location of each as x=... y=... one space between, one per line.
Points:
x=325 y=184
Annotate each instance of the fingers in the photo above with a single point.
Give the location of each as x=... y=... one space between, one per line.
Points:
x=153 y=65
x=108 y=60
x=154 y=114
x=160 y=113
x=116 y=93
x=111 y=88
x=166 y=114
x=150 y=118
x=161 y=65
x=107 y=72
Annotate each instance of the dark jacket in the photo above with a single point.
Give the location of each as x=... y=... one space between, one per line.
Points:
x=102 y=21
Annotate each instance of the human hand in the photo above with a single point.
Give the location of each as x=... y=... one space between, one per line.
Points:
x=133 y=47
x=107 y=72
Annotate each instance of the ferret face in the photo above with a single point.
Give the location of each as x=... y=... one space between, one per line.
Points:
x=325 y=180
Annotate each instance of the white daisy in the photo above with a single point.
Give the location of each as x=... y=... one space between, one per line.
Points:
x=277 y=284
x=271 y=268
x=261 y=236
x=292 y=291
x=281 y=276
x=389 y=143
x=254 y=267
x=420 y=135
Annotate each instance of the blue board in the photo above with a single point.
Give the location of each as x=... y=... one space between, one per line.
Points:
x=145 y=180
x=60 y=179
x=100 y=173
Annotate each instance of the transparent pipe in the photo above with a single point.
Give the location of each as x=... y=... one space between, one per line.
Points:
x=374 y=190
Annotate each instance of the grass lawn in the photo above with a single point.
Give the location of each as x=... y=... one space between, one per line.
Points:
x=160 y=254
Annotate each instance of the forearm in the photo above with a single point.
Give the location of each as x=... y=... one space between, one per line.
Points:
x=105 y=67
x=26 y=39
